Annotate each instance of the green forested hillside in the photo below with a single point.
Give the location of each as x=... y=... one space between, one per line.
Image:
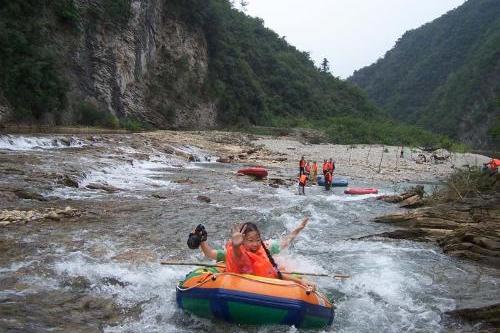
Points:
x=444 y=75
x=257 y=77
x=254 y=77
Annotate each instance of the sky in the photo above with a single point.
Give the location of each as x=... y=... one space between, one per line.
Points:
x=351 y=34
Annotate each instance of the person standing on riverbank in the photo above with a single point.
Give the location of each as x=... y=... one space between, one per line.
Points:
x=326 y=167
x=314 y=172
x=302 y=165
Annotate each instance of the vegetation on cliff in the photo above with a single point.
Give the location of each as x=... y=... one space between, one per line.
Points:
x=445 y=75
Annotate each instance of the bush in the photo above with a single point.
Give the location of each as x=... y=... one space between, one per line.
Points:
x=132 y=125
x=467 y=183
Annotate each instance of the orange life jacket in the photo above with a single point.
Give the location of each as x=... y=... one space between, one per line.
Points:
x=255 y=263
x=494 y=163
x=308 y=168
x=325 y=166
x=328 y=177
x=302 y=163
x=303 y=179
x=315 y=167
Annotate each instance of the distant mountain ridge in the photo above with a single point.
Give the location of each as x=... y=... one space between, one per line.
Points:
x=445 y=75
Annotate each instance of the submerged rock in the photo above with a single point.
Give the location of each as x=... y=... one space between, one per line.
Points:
x=488 y=314
x=203 y=198
x=105 y=187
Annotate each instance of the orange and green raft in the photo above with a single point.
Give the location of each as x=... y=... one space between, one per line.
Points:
x=252 y=300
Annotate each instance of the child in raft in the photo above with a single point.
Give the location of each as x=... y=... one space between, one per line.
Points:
x=247 y=253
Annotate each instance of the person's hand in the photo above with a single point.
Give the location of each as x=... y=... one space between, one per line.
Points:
x=237 y=235
x=303 y=224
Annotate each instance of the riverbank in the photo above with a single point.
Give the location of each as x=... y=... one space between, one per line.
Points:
x=369 y=162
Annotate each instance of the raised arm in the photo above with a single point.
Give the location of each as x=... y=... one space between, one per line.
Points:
x=285 y=242
x=208 y=251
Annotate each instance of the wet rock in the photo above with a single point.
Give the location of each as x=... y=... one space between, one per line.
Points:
x=184 y=181
x=7 y=196
x=417 y=191
x=53 y=216
x=102 y=308
x=277 y=181
x=467 y=229
x=21 y=216
x=65 y=141
x=488 y=314
x=168 y=150
x=225 y=159
x=78 y=282
x=105 y=187
x=70 y=181
x=480 y=243
x=112 y=281
x=159 y=196
x=26 y=194
x=203 y=198
x=412 y=202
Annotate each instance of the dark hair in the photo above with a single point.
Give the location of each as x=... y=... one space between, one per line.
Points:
x=252 y=227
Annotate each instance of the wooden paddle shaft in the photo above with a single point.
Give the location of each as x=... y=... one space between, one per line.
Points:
x=176 y=263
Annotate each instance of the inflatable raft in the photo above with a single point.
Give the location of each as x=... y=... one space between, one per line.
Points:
x=258 y=172
x=252 y=300
x=337 y=182
x=361 y=190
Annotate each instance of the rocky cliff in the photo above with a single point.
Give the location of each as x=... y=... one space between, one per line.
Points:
x=124 y=59
x=124 y=67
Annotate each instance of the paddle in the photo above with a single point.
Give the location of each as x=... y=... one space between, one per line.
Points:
x=176 y=263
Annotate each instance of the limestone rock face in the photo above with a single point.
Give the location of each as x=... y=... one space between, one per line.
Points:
x=142 y=69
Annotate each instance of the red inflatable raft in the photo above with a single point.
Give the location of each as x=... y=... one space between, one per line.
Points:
x=258 y=172
x=361 y=190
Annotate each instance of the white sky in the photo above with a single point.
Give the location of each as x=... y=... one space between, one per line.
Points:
x=351 y=34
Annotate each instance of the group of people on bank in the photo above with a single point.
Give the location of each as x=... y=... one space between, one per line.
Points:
x=308 y=172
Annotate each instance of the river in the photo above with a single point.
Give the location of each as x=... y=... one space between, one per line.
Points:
x=100 y=271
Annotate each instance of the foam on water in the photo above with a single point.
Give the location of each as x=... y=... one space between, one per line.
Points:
x=147 y=284
x=200 y=154
x=27 y=143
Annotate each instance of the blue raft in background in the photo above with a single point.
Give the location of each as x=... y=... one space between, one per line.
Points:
x=337 y=182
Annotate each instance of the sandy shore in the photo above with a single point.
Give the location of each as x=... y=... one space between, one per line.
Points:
x=374 y=162
x=368 y=162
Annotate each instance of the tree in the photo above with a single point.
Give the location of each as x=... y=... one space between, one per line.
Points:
x=325 y=68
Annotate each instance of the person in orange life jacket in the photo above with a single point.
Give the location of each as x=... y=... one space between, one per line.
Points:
x=246 y=253
x=302 y=164
x=326 y=167
x=307 y=169
x=328 y=180
x=302 y=184
x=314 y=172
x=492 y=166
x=332 y=165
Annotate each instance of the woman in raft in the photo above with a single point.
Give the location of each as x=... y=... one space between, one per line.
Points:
x=247 y=253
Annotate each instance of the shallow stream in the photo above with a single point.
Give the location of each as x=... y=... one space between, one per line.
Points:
x=100 y=272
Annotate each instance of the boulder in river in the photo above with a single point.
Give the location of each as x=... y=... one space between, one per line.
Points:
x=203 y=198
x=105 y=187
x=490 y=315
